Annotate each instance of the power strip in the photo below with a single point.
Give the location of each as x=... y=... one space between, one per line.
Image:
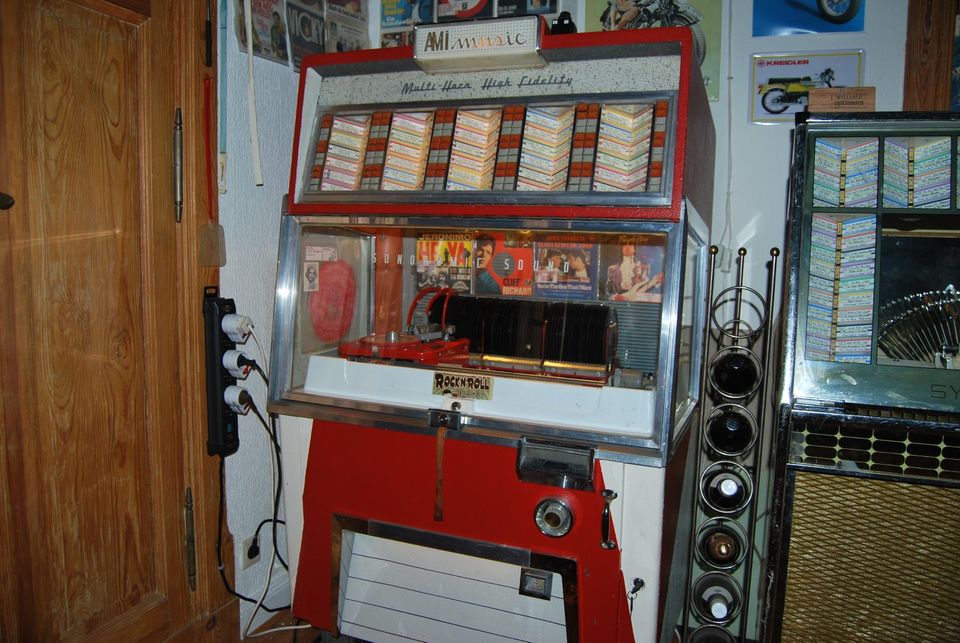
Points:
x=223 y=438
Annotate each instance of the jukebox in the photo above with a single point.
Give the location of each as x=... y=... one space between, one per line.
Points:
x=865 y=523
x=489 y=333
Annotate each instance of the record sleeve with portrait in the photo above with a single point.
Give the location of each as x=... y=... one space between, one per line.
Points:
x=631 y=268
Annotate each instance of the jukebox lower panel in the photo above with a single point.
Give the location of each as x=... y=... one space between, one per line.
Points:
x=872 y=560
x=358 y=477
x=389 y=586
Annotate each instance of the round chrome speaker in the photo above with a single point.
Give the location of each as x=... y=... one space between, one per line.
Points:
x=553 y=518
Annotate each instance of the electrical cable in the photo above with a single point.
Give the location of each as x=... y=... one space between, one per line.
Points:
x=728 y=216
x=256 y=367
x=219 y=550
x=271 y=432
x=274 y=475
x=263 y=356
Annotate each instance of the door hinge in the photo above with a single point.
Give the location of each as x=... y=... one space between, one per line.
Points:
x=189 y=540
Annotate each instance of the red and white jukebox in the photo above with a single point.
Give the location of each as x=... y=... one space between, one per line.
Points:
x=488 y=337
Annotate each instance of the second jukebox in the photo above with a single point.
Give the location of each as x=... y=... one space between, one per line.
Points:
x=488 y=338
x=865 y=523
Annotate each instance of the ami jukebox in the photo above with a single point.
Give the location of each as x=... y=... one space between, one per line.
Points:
x=488 y=338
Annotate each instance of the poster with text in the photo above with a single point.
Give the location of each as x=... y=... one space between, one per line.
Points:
x=353 y=9
x=344 y=34
x=405 y=13
x=305 y=26
x=782 y=82
x=269 y=29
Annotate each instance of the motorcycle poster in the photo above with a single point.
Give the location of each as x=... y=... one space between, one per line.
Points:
x=704 y=17
x=797 y=17
x=782 y=82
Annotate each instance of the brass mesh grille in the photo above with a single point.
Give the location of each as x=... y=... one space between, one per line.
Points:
x=872 y=561
x=916 y=453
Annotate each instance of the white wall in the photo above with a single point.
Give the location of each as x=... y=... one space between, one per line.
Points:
x=250 y=214
x=760 y=154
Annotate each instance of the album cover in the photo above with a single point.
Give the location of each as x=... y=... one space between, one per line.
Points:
x=503 y=264
x=444 y=260
x=305 y=27
x=631 y=269
x=566 y=269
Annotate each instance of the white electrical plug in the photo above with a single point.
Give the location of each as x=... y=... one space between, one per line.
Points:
x=237 y=398
x=237 y=327
x=238 y=363
x=726 y=259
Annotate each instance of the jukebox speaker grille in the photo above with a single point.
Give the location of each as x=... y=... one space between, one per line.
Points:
x=872 y=560
x=878 y=448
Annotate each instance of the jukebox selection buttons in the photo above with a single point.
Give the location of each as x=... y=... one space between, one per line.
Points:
x=726 y=487
x=553 y=518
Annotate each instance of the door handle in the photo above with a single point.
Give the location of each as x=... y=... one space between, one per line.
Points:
x=6 y=201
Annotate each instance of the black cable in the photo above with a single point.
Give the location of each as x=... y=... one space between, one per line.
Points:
x=257 y=368
x=276 y=499
x=219 y=549
x=256 y=534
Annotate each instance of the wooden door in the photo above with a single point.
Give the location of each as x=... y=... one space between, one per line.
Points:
x=99 y=321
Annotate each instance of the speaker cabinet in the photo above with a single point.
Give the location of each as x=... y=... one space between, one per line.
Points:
x=872 y=560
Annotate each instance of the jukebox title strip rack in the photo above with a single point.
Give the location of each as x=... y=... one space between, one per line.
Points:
x=900 y=171
x=573 y=147
x=866 y=172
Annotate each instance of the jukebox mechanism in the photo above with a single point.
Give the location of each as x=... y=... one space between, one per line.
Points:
x=922 y=328
x=564 y=339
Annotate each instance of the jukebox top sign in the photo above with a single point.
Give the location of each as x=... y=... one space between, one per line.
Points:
x=499 y=44
x=591 y=125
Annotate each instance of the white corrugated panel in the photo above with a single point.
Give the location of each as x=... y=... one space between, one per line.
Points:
x=400 y=592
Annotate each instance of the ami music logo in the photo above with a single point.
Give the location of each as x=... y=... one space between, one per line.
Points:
x=442 y=40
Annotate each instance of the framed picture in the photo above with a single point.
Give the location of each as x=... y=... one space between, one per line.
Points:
x=781 y=82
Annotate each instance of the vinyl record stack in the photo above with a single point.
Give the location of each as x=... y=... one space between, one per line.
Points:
x=474 y=149
x=623 y=148
x=407 y=151
x=545 y=152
